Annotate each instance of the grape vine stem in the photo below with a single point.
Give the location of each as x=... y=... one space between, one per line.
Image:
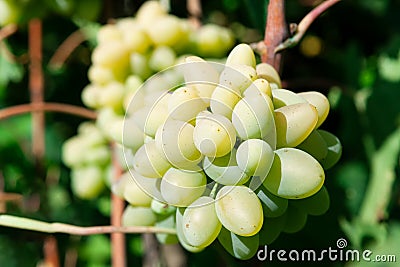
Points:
x=118 y=255
x=66 y=48
x=300 y=29
x=44 y=227
x=47 y=106
x=276 y=37
x=7 y=30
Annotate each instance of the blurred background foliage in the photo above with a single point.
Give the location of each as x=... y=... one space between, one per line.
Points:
x=351 y=54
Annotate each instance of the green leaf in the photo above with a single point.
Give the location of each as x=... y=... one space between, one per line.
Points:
x=389 y=68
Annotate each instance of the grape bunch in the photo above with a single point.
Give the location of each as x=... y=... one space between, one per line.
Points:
x=88 y=155
x=214 y=149
x=226 y=154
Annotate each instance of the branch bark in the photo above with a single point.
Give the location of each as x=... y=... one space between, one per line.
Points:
x=304 y=24
x=44 y=227
x=55 y=107
x=275 y=32
x=36 y=87
x=118 y=250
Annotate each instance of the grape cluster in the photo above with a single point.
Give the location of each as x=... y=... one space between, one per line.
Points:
x=88 y=155
x=213 y=149
x=229 y=153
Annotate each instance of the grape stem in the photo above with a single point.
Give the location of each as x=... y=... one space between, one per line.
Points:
x=66 y=48
x=47 y=106
x=299 y=30
x=44 y=227
x=214 y=190
x=7 y=30
x=195 y=12
x=276 y=31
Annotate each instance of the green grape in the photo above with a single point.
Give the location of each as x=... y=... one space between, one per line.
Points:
x=71 y=151
x=134 y=194
x=150 y=117
x=294 y=123
x=151 y=186
x=149 y=162
x=283 y=97
x=271 y=229
x=241 y=54
x=111 y=124
x=138 y=216
x=139 y=65
x=161 y=58
x=213 y=41
x=180 y=188
x=98 y=155
x=295 y=220
x=162 y=208
x=91 y=134
x=174 y=139
x=98 y=75
x=201 y=75
x=133 y=101
x=9 y=12
x=334 y=149
x=87 y=182
x=320 y=102
x=255 y=156
x=91 y=95
x=266 y=71
x=252 y=117
x=240 y=247
x=133 y=83
x=109 y=33
x=294 y=174
x=185 y=103
x=224 y=170
x=200 y=222
x=237 y=77
x=166 y=30
x=169 y=223
x=179 y=232
x=258 y=86
x=115 y=129
x=118 y=186
x=214 y=135
x=273 y=206
x=315 y=145
x=112 y=55
x=223 y=100
x=112 y=95
x=150 y=11
x=239 y=210
x=123 y=156
x=133 y=136
x=316 y=204
x=134 y=36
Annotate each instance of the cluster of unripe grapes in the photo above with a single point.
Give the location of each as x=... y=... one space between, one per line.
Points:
x=212 y=150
